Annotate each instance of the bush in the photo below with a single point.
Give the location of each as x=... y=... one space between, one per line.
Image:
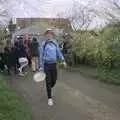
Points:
x=101 y=50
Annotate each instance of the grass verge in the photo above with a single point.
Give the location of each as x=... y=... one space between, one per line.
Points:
x=11 y=106
x=104 y=75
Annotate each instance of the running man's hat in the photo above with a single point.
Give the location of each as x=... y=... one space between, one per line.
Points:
x=49 y=31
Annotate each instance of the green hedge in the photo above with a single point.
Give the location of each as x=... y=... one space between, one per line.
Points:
x=101 y=50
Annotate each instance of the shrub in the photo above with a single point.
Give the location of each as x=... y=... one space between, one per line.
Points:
x=101 y=50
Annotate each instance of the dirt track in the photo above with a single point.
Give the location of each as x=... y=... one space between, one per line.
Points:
x=76 y=98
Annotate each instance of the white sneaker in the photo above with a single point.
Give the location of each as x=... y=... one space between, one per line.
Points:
x=25 y=73
x=1 y=71
x=50 y=102
x=19 y=69
x=21 y=74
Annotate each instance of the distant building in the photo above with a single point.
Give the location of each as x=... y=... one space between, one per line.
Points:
x=53 y=22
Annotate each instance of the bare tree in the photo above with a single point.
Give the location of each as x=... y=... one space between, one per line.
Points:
x=114 y=16
x=8 y=7
x=111 y=13
x=3 y=9
x=81 y=16
x=4 y=12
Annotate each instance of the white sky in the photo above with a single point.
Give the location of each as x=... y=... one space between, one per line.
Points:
x=49 y=9
x=38 y=8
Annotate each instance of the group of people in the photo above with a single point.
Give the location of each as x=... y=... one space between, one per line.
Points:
x=41 y=58
x=19 y=55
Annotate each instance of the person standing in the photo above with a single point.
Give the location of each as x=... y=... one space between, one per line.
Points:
x=49 y=51
x=1 y=56
x=29 y=53
x=22 y=58
x=8 y=55
x=15 y=56
x=35 y=54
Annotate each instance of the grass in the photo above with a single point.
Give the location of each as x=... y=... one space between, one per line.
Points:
x=11 y=106
x=104 y=75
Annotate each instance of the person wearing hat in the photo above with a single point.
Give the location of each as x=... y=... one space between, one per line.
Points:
x=49 y=52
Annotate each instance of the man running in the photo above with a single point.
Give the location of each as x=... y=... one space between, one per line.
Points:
x=49 y=52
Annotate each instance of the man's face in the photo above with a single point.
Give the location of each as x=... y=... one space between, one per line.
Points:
x=49 y=36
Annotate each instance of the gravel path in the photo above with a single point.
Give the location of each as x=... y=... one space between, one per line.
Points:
x=76 y=98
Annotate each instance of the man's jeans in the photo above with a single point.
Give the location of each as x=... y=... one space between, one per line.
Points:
x=51 y=77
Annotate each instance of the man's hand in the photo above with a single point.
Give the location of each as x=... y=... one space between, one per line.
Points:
x=41 y=69
x=6 y=68
x=65 y=64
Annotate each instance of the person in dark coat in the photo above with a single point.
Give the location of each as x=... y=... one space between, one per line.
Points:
x=8 y=55
x=35 y=54
x=29 y=53
x=1 y=62
x=15 y=56
x=22 y=58
x=1 y=56
x=22 y=50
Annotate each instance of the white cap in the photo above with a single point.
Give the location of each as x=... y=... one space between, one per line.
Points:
x=49 y=29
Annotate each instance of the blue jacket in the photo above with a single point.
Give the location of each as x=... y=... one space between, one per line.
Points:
x=50 y=52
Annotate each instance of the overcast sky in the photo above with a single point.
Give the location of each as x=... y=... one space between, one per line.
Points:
x=33 y=8
x=40 y=8
x=36 y=8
